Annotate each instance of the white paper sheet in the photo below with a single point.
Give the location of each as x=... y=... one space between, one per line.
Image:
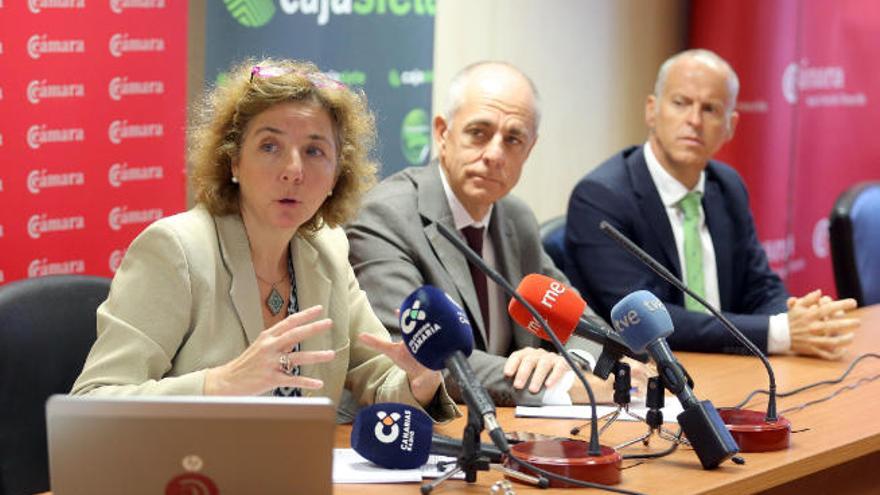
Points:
x=671 y=410
x=350 y=467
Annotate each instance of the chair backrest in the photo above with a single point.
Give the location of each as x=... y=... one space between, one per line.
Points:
x=47 y=326
x=854 y=235
x=553 y=239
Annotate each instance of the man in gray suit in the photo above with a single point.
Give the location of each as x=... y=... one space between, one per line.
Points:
x=484 y=138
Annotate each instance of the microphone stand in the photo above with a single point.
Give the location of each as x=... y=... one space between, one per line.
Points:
x=472 y=459
x=655 y=400
x=622 y=397
x=622 y=386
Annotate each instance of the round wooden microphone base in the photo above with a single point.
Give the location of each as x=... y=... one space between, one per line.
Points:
x=753 y=433
x=568 y=458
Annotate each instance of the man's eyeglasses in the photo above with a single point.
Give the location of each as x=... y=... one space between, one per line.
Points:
x=319 y=79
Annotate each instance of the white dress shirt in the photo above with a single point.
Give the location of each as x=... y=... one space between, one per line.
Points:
x=671 y=193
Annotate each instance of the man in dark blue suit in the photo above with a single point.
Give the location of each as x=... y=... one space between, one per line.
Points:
x=692 y=214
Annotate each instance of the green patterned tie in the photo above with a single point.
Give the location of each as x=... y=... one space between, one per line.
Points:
x=693 y=249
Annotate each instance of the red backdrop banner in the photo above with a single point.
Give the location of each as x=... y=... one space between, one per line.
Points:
x=808 y=102
x=93 y=99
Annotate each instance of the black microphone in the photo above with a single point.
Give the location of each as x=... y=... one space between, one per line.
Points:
x=453 y=447
x=644 y=323
x=594 y=448
x=659 y=269
x=438 y=335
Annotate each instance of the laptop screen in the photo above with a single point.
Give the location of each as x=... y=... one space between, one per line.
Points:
x=191 y=445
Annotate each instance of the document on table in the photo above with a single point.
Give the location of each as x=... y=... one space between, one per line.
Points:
x=670 y=412
x=350 y=467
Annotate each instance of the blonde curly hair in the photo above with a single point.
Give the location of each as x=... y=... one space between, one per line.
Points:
x=216 y=138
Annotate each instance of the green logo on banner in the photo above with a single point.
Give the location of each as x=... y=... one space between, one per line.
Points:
x=323 y=9
x=348 y=77
x=415 y=136
x=414 y=77
x=251 y=13
x=394 y=78
x=396 y=7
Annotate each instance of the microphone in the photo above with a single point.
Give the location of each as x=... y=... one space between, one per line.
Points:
x=563 y=308
x=666 y=275
x=644 y=323
x=438 y=334
x=399 y=436
x=453 y=447
x=394 y=436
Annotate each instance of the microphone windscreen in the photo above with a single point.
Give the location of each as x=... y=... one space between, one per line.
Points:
x=394 y=436
x=641 y=318
x=434 y=327
x=559 y=305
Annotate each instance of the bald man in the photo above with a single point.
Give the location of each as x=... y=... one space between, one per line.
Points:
x=691 y=213
x=488 y=129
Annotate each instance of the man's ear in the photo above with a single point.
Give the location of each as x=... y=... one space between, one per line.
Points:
x=731 y=124
x=441 y=130
x=650 y=111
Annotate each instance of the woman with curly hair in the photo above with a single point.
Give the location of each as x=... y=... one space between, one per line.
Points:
x=251 y=291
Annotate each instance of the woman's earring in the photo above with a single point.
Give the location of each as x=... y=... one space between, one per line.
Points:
x=234 y=179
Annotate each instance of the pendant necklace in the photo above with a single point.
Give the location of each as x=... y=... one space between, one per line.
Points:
x=274 y=301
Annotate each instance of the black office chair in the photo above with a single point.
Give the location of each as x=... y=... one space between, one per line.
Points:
x=854 y=234
x=47 y=326
x=553 y=239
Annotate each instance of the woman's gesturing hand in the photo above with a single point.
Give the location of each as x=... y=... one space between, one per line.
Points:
x=260 y=367
x=422 y=381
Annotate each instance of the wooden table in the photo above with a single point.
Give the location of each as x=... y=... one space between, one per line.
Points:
x=835 y=447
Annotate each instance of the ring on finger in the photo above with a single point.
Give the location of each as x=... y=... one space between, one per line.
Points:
x=284 y=362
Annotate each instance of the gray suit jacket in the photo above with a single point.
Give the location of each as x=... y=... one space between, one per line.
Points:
x=185 y=299
x=396 y=248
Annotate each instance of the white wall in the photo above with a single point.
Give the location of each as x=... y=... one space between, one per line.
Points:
x=593 y=61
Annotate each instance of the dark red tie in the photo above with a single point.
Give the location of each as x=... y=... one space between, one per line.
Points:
x=474 y=237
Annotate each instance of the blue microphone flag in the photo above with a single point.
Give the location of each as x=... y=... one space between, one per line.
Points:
x=392 y=435
x=430 y=315
x=641 y=318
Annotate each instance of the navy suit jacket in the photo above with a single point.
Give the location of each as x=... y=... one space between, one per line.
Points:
x=621 y=192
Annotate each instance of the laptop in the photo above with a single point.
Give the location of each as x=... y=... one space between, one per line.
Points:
x=190 y=445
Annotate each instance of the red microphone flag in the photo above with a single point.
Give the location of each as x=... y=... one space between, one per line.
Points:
x=558 y=304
